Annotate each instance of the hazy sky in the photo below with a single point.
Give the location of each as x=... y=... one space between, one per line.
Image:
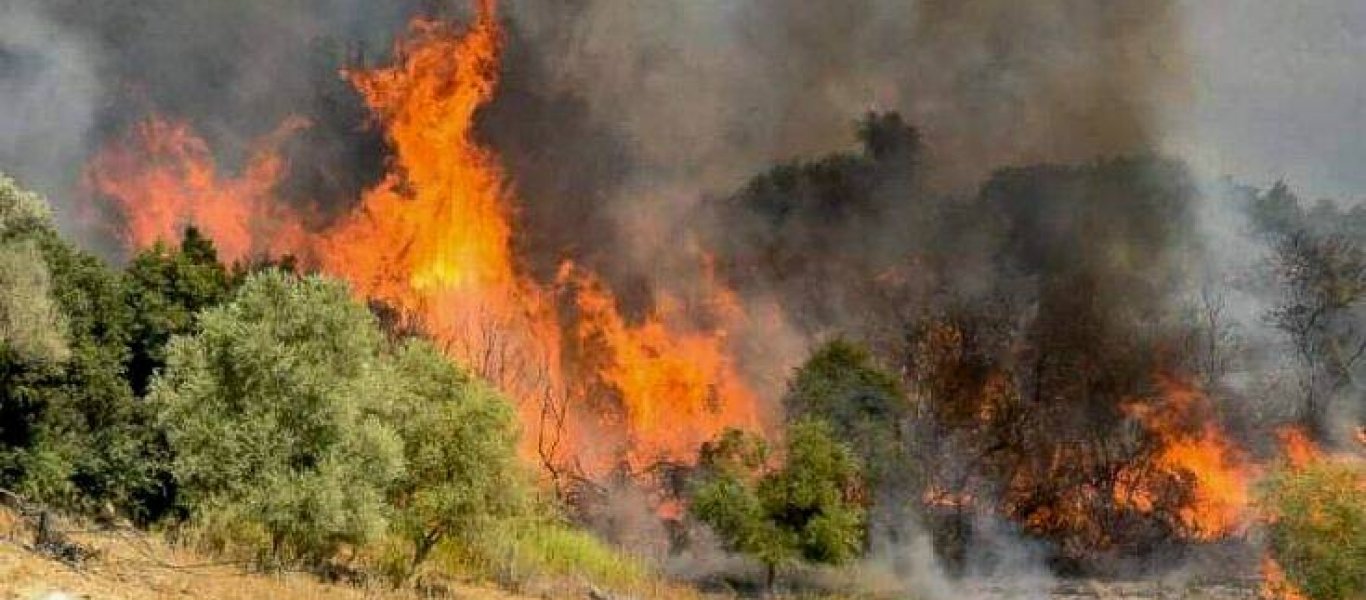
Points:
x=1280 y=91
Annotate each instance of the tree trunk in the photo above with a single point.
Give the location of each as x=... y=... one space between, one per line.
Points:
x=770 y=578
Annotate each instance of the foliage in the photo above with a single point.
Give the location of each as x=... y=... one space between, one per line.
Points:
x=1318 y=531
x=275 y=412
x=806 y=510
x=165 y=288
x=70 y=431
x=460 y=448
x=32 y=327
x=842 y=385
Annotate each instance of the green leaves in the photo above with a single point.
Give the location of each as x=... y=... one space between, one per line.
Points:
x=1319 y=530
x=808 y=509
x=275 y=409
x=289 y=410
x=460 y=447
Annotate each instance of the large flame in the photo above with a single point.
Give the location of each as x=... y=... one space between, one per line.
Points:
x=434 y=239
x=162 y=177
x=1191 y=448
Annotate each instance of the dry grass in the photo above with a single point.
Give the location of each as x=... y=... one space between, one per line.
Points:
x=137 y=566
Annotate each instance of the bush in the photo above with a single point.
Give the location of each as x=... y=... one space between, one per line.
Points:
x=71 y=432
x=1318 y=529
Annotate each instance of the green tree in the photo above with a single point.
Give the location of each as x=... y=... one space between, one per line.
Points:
x=842 y=385
x=31 y=324
x=1319 y=530
x=807 y=510
x=460 y=445
x=165 y=288
x=70 y=431
x=276 y=412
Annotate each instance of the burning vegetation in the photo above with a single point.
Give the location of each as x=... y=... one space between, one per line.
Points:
x=1058 y=355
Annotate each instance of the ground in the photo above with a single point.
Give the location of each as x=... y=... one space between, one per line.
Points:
x=132 y=565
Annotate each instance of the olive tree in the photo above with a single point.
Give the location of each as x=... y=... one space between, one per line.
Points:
x=460 y=446
x=275 y=410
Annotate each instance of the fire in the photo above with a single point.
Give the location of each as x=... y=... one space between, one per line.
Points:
x=654 y=360
x=162 y=177
x=1298 y=448
x=445 y=201
x=1275 y=585
x=434 y=238
x=1191 y=448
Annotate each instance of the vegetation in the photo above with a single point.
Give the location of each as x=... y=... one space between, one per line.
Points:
x=275 y=413
x=864 y=405
x=70 y=431
x=808 y=509
x=459 y=438
x=1318 y=527
x=258 y=413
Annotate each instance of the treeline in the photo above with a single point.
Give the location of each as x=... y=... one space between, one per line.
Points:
x=1016 y=321
x=250 y=409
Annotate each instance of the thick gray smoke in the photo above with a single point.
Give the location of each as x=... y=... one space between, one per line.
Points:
x=711 y=90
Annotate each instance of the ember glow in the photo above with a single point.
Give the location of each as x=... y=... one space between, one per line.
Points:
x=434 y=239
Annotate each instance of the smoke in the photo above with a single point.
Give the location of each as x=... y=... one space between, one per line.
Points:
x=49 y=88
x=711 y=90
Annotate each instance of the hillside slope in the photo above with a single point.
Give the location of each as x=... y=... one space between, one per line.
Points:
x=131 y=565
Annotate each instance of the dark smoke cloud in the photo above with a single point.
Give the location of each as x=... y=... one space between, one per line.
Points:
x=711 y=90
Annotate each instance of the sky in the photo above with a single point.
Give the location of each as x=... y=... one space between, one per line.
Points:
x=1279 y=91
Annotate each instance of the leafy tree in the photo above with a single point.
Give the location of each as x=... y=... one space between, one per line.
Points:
x=1319 y=530
x=165 y=289
x=275 y=410
x=842 y=385
x=806 y=510
x=460 y=444
x=31 y=324
x=70 y=432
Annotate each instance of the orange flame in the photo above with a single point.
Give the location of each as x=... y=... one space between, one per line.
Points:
x=162 y=177
x=1275 y=585
x=1298 y=448
x=434 y=239
x=665 y=376
x=1193 y=448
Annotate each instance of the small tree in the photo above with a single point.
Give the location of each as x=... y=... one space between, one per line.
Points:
x=70 y=431
x=275 y=410
x=460 y=443
x=806 y=510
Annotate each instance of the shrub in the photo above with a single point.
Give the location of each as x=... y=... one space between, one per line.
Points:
x=460 y=448
x=1318 y=531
